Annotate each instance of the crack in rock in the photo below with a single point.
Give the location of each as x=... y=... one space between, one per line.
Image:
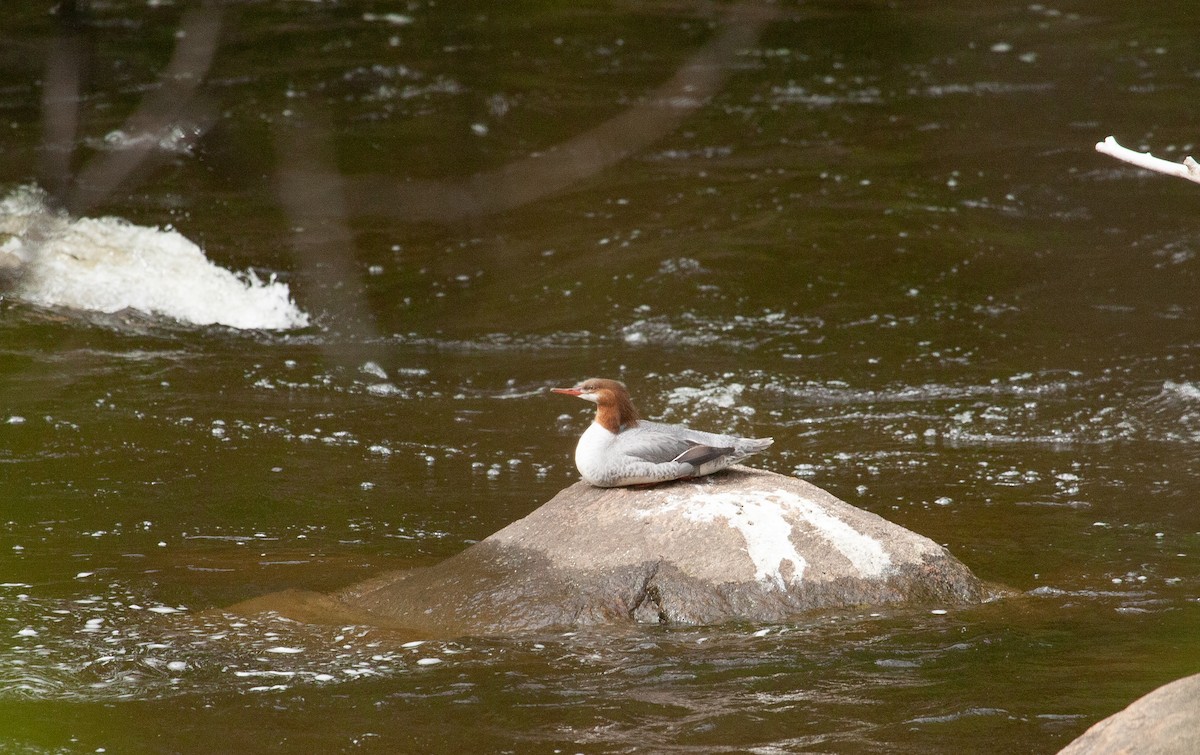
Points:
x=647 y=604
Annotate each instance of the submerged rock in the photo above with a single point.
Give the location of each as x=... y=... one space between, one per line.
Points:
x=744 y=545
x=1165 y=721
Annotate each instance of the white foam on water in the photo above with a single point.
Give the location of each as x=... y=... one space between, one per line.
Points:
x=722 y=395
x=1188 y=391
x=109 y=265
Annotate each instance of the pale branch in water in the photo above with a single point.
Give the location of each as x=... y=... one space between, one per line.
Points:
x=1189 y=168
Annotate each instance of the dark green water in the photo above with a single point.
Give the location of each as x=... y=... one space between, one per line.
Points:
x=881 y=236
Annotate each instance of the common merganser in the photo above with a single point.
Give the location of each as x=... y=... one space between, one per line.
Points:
x=619 y=448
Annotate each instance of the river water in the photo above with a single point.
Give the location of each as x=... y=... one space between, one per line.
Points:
x=876 y=232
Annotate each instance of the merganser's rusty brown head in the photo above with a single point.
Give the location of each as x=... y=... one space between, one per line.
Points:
x=614 y=408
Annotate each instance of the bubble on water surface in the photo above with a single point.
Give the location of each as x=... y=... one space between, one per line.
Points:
x=736 y=332
x=128 y=653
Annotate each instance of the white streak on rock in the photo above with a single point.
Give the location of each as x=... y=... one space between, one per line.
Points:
x=764 y=520
x=761 y=522
x=863 y=551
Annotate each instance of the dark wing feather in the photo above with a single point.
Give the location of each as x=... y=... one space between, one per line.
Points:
x=701 y=454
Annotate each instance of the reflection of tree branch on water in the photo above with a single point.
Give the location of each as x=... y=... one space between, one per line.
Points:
x=553 y=170
x=172 y=104
x=318 y=199
x=52 y=255
x=578 y=158
x=60 y=103
x=316 y=196
x=312 y=194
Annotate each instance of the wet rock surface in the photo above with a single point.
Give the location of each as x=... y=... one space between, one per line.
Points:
x=1165 y=721
x=743 y=545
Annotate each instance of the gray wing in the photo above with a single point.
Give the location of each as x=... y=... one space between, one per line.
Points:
x=660 y=444
x=647 y=443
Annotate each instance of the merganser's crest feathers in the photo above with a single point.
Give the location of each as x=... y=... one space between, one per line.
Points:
x=620 y=449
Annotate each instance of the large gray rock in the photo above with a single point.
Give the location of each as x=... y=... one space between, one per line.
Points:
x=745 y=544
x=1165 y=722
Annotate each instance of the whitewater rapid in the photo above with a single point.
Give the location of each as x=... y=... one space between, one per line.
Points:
x=109 y=264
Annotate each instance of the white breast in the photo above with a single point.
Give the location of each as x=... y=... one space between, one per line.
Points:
x=592 y=454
